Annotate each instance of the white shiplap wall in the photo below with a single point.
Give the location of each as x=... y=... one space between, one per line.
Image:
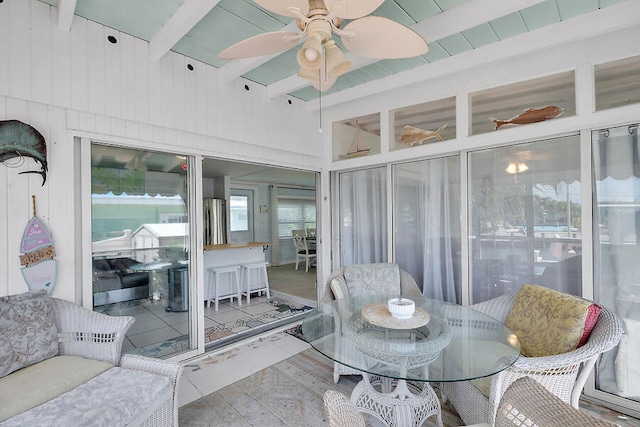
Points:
x=76 y=83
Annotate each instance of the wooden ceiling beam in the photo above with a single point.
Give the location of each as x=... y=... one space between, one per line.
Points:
x=181 y=22
x=66 y=10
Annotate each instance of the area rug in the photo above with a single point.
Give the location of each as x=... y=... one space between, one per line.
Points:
x=288 y=393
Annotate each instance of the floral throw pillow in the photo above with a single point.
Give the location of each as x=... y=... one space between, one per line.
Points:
x=548 y=322
x=28 y=333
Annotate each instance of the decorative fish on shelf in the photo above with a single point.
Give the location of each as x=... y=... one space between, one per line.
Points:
x=413 y=136
x=530 y=115
x=20 y=140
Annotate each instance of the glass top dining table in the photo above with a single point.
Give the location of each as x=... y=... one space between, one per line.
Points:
x=440 y=342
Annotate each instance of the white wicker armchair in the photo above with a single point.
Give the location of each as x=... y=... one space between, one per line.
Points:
x=408 y=287
x=564 y=375
x=92 y=335
x=527 y=403
x=340 y=411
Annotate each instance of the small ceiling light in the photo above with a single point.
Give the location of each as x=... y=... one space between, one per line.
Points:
x=112 y=39
x=190 y=67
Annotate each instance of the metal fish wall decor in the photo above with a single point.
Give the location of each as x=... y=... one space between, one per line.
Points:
x=19 y=140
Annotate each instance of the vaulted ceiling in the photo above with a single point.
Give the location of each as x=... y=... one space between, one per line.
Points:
x=201 y=29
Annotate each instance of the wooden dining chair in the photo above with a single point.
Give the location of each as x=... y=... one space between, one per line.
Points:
x=303 y=252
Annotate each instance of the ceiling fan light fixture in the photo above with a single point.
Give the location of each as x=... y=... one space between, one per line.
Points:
x=522 y=167
x=337 y=62
x=310 y=55
x=519 y=167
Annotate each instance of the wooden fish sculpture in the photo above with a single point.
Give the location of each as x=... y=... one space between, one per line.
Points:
x=412 y=136
x=18 y=139
x=530 y=115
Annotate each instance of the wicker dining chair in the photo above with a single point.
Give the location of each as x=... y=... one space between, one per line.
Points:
x=408 y=287
x=564 y=375
x=527 y=403
x=340 y=411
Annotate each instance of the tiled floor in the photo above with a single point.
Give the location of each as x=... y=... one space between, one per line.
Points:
x=216 y=370
x=158 y=333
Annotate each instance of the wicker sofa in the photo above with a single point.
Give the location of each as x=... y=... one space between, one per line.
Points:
x=61 y=365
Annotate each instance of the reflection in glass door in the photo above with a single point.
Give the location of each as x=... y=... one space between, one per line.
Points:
x=524 y=214
x=140 y=241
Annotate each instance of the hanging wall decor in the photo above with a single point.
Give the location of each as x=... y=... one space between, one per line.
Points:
x=39 y=269
x=19 y=140
x=530 y=115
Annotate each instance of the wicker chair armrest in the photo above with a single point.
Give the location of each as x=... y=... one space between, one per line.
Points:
x=85 y=333
x=528 y=403
x=498 y=308
x=173 y=370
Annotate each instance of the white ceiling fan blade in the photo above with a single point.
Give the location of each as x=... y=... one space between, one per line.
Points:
x=281 y=7
x=382 y=38
x=354 y=8
x=262 y=44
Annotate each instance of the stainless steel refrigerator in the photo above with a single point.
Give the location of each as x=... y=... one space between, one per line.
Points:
x=214 y=220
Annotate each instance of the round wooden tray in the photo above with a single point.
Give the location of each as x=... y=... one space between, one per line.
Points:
x=379 y=315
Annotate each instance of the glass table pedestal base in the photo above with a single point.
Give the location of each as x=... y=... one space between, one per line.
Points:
x=396 y=402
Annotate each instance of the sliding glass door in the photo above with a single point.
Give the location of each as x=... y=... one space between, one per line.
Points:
x=140 y=246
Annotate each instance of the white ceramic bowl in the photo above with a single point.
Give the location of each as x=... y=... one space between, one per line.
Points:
x=401 y=308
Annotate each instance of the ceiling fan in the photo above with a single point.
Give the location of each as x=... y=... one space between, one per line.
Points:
x=321 y=60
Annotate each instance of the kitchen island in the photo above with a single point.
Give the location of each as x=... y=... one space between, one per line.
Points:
x=227 y=255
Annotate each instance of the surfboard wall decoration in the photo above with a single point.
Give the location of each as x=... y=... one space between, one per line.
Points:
x=39 y=269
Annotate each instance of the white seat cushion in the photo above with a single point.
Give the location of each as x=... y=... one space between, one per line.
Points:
x=117 y=397
x=36 y=384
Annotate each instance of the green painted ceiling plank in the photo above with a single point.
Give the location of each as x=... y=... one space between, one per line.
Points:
x=257 y=16
x=436 y=51
x=572 y=8
x=480 y=35
x=541 y=15
x=607 y=3
x=509 y=25
x=394 y=65
x=420 y=10
x=391 y=10
x=448 y=4
x=455 y=44
x=139 y=18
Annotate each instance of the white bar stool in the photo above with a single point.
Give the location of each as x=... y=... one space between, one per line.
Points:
x=262 y=280
x=214 y=281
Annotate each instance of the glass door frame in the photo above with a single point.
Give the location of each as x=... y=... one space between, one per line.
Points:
x=196 y=275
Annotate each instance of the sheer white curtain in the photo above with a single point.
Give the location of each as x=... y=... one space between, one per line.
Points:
x=363 y=214
x=616 y=232
x=427 y=225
